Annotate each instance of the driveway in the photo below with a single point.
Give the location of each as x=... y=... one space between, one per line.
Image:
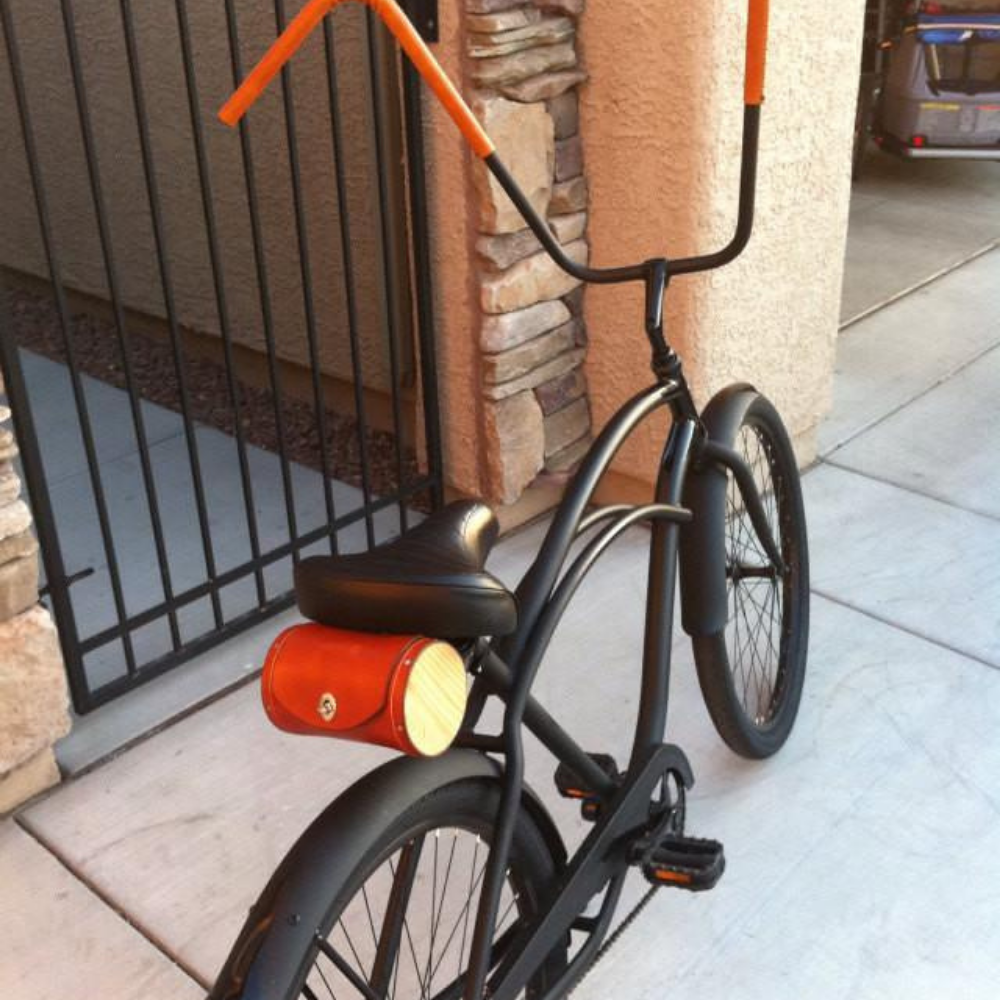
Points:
x=911 y=220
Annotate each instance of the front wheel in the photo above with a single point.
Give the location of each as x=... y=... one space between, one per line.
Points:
x=400 y=925
x=751 y=671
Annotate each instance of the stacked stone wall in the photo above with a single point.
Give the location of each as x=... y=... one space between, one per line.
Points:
x=33 y=700
x=524 y=69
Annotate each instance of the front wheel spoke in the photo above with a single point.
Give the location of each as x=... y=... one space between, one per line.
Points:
x=750 y=651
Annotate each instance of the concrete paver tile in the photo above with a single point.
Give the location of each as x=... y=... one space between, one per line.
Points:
x=58 y=940
x=861 y=859
x=911 y=345
x=183 y=831
x=893 y=247
x=100 y=733
x=945 y=444
x=910 y=220
x=83 y=546
x=907 y=559
x=58 y=424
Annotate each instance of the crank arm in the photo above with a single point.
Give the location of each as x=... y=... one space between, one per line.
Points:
x=602 y=855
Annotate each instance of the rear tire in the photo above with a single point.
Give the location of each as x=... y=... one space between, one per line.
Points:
x=439 y=846
x=751 y=672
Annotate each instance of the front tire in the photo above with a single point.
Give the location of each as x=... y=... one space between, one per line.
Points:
x=751 y=671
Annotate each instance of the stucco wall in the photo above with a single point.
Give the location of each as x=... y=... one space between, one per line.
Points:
x=662 y=119
x=42 y=45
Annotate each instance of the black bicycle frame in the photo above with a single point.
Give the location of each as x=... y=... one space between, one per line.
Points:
x=507 y=669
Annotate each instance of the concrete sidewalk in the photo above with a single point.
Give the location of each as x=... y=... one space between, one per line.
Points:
x=861 y=860
x=912 y=220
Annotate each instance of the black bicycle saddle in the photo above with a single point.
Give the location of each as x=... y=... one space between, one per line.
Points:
x=429 y=581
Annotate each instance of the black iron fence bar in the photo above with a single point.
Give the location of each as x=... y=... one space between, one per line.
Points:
x=86 y=695
x=53 y=565
x=111 y=274
x=237 y=573
x=159 y=239
x=221 y=303
x=291 y=133
x=347 y=263
x=389 y=272
x=263 y=289
x=423 y=292
x=157 y=668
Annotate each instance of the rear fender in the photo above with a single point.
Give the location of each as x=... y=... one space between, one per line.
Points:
x=704 y=608
x=271 y=950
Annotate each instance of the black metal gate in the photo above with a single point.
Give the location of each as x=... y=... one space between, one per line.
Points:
x=217 y=346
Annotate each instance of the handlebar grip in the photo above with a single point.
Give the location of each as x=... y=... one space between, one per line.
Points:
x=409 y=40
x=756 y=51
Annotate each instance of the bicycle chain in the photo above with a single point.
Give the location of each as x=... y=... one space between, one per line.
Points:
x=675 y=817
x=618 y=931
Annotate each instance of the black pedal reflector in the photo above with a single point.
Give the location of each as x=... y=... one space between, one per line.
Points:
x=685 y=863
x=571 y=786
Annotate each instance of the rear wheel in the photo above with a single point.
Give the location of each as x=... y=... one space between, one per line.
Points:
x=402 y=922
x=751 y=672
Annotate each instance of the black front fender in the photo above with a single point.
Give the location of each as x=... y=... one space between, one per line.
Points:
x=270 y=952
x=704 y=608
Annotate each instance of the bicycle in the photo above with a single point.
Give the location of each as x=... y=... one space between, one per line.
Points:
x=397 y=630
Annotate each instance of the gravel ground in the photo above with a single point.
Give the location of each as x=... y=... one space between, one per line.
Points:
x=96 y=351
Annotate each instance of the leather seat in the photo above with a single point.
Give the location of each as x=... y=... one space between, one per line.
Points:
x=429 y=581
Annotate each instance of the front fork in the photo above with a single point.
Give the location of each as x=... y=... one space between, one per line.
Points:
x=703 y=556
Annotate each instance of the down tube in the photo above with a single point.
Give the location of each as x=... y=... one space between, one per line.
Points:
x=660 y=591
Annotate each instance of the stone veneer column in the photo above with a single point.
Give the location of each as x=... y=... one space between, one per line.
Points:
x=33 y=699
x=524 y=69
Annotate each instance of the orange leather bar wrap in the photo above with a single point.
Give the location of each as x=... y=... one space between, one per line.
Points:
x=409 y=40
x=756 y=51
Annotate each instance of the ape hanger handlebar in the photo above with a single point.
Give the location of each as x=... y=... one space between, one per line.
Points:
x=447 y=93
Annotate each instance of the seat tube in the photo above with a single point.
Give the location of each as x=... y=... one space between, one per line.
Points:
x=660 y=592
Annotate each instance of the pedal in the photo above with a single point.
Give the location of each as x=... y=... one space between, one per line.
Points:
x=571 y=786
x=685 y=863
